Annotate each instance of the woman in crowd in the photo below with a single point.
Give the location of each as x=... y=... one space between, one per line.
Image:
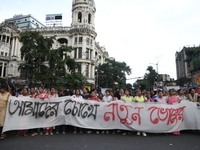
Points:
x=4 y=95
x=100 y=96
x=148 y=96
x=77 y=95
x=25 y=93
x=160 y=98
x=181 y=95
x=62 y=127
x=32 y=92
x=192 y=96
x=172 y=98
x=11 y=90
x=42 y=95
x=117 y=96
x=86 y=94
x=53 y=93
x=107 y=97
x=140 y=98
x=127 y=97
x=93 y=98
x=122 y=93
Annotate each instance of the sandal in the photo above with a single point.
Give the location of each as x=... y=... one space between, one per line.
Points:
x=74 y=132
x=1 y=138
x=25 y=134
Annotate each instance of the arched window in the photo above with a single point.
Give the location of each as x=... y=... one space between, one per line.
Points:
x=62 y=41
x=80 y=17
x=89 y=18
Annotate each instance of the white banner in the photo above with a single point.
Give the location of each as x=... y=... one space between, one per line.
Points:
x=27 y=113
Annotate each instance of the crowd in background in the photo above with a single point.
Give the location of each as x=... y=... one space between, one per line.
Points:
x=128 y=95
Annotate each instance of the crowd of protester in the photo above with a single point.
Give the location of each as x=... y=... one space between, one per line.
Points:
x=158 y=95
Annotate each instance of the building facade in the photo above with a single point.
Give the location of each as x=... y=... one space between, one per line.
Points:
x=182 y=69
x=26 y=21
x=81 y=35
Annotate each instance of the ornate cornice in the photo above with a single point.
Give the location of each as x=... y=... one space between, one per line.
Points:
x=8 y=24
x=83 y=31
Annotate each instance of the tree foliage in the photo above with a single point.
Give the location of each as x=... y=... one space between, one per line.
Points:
x=149 y=79
x=182 y=81
x=46 y=65
x=112 y=71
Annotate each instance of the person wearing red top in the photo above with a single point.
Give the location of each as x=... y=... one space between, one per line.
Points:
x=93 y=97
x=25 y=93
x=42 y=95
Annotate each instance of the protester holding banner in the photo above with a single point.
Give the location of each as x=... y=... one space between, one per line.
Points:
x=77 y=96
x=41 y=95
x=122 y=93
x=192 y=96
x=4 y=95
x=127 y=96
x=181 y=96
x=160 y=98
x=25 y=93
x=107 y=97
x=32 y=92
x=86 y=94
x=140 y=98
x=53 y=93
x=172 y=98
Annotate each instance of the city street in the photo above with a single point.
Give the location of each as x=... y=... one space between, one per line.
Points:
x=186 y=141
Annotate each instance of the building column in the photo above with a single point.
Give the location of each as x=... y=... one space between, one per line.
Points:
x=77 y=51
x=9 y=40
x=6 y=39
x=89 y=71
x=16 y=46
x=13 y=47
x=2 y=69
x=93 y=71
x=83 y=67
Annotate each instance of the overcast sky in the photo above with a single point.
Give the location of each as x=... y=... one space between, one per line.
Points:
x=138 y=32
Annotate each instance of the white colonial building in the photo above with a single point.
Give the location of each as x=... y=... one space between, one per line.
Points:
x=81 y=35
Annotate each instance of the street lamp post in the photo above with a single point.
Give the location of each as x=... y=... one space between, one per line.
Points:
x=156 y=65
x=157 y=71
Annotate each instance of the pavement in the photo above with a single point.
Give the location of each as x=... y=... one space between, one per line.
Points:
x=70 y=141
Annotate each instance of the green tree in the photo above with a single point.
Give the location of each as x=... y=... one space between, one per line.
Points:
x=182 y=81
x=112 y=71
x=46 y=65
x=148 y=81
x=34 y=51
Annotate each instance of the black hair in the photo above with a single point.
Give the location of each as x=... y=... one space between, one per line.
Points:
x=40 y=87
x=65 y=93
x=52 y=88
x=160 y=91
x=117 y=95
x=108 y=91
x=191 y=90
x=4 y=86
